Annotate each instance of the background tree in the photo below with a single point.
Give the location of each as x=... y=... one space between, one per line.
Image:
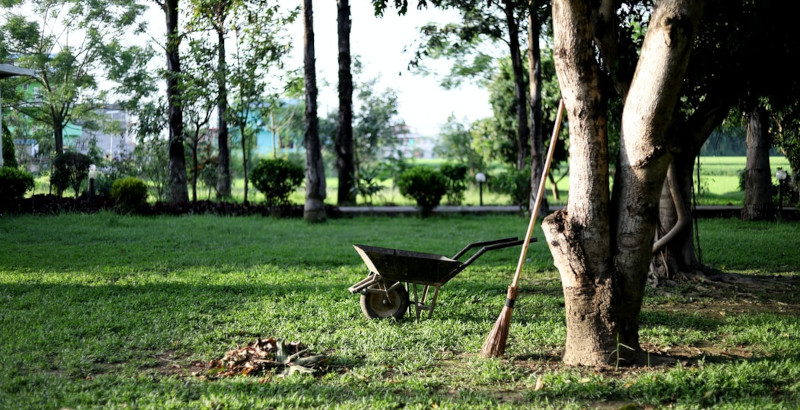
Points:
x=345 y=162
x=73 y=47
x=177 y=189
x=314 y=208
x=455 y=143
x=151 y=152
x=284 y=120
x=375 y=123
x=259 y=44
x=217 y=14
x=538 y=14
x=499 y=22
x=198 y=101
x=738 y=36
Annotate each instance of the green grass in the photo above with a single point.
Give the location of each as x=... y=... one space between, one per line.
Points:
x=108 y=311
x=719 y=182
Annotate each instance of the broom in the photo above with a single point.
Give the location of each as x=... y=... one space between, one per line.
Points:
x=495 y=345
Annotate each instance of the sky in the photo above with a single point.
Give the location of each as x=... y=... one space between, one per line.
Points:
x=379 y=43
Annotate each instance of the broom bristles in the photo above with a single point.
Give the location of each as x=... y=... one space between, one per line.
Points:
x=495 y=344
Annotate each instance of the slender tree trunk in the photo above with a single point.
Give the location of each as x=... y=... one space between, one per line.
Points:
x=523 y=135
x=602 y=249
x=58 y=129
x=678 y=258
x=314 y=208
x=224 y=162
x=536 y=129
x=2 y=136
x=58 y=133
x=178 y=192
x=344 y=137
x=195 y=163
x=758 y=177
x=245 y=158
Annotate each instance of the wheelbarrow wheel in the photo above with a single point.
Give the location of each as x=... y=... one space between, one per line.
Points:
x=385 y=304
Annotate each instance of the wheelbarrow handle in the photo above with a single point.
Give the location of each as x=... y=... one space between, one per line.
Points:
x=482 y=250
x=505 y=241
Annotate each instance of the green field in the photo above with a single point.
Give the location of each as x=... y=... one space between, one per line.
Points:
x=110 y=311
x=719 y=185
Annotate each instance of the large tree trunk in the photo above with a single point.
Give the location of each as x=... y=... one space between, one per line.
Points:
x=178 y=191
x=314 y=208
x=536 y=128
x=758 y=177
x=602 y=249
x=344 y=137
x=224 y=161
x=523 y=136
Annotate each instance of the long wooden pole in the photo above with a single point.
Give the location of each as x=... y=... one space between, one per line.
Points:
x=539 y=194
x=495 y=345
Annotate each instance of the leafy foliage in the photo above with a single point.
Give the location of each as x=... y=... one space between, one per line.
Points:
x=14 y=183
x=425 y=185
x=9 y=157
x=69 y=73
x=69 y=170
x=130 y=194
x=374 y=122
x=367 y=183
x=456 y=176
x=455 y=143
x=515 y=183
x=276 y=179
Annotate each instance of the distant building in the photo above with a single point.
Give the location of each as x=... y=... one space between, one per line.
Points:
x=113 y=136
x=412 y=144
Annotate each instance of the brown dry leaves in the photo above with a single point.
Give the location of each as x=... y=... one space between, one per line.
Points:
x=265 y=356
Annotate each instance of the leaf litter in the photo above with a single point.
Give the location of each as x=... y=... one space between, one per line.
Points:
x=266 y=357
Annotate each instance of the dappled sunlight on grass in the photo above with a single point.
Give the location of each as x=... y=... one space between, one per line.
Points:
x=111 y=311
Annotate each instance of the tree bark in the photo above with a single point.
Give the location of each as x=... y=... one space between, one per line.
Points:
x=758 y=177
x=178 y=190
x=678 y=258
x=602 y=249
x=535 y=95
x=224 y=161
x=523 y=135
x=344 y=136
x=578 y=235
x=58 y=134
x=314 y=208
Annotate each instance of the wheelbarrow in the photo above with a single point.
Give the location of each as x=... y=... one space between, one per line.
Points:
x=394 y=273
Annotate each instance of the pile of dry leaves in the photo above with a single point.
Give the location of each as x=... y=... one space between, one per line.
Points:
x=266 y=356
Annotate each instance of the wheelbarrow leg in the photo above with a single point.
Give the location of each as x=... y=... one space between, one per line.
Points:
x=419 y=303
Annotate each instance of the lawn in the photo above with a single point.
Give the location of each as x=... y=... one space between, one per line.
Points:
x=110 y=311
x=719 y=185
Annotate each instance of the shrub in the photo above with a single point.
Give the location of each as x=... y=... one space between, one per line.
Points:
x=367 y=183
x=276 y=179
x=515 y=183
x=456 y=175
x=69 y=170
x=130 y=194
x=13 y=186
x=423 y=184
x=9 y=152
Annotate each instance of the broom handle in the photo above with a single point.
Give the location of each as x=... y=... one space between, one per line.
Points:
x=540 y=194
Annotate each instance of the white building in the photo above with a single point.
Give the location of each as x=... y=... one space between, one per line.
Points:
x=412 y=144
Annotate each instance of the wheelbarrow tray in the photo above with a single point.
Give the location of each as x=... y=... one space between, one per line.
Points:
x=394 y=275
x=407 y=266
